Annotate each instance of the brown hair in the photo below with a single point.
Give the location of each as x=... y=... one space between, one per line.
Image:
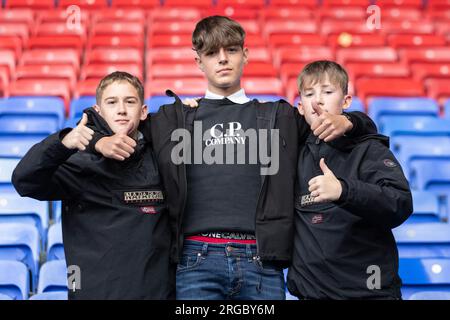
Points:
x=316 y=71
x=118 y=76
x=215 y=32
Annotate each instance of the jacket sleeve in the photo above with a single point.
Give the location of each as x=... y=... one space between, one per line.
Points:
x=162 y=124
x=362 y=124
x=43 y=173
x=382 y=195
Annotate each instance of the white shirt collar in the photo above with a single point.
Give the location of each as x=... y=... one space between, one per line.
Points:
x=238 y=97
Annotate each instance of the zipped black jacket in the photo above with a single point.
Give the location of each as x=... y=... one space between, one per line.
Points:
x=341 y=247
x=114 y=219
x=275 y=208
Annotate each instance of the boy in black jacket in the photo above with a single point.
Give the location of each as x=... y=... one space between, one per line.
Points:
x=115 y=225
x=232 y=224
x=350 y=193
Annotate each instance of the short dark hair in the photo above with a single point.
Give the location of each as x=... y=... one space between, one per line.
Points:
x=118 y=76
x=215 y=32
x=317 y=70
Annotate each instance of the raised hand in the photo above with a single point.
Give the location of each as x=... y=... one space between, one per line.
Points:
x=78 y=137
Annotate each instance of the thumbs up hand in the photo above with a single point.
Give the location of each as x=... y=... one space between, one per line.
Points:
x=326 y=187
x=78 y=137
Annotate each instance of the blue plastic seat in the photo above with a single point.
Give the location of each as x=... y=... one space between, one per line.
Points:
x=55 y=247
x=20 y=242
x=430 y=295
x=14 y=280
x=53 y=277
x=17 y=209
x=16 y=146
x=416 y=126
x=398 y=108
x=55 y=295
x=31 y=114
x=428 y=207
x=7 y=166
x=447 y=109
x=413 y=149
x=420 y=275
x=153 y=103
x=357 y=104
x=78 y=105
x=423 y=240
x=57 y=211
x=430 y=174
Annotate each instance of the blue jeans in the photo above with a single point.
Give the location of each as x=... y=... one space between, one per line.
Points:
x=226 y=272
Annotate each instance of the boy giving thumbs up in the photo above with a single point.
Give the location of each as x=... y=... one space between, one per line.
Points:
x=350 y=193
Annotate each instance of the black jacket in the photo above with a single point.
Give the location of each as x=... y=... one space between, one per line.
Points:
x=114 y=220
x=275 y=209
x=337 y=243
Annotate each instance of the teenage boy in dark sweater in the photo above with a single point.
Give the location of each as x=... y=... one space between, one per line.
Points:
x=350 y=193
x=229 y=169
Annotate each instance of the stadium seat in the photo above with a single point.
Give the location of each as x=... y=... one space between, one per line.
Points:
x=65 y=72
x=388 y=87
x=346 y=13
x=408 y=27
x=55 y=295
x=424 y=71
x=294 y=3
x=173 y=70
x=20 y=242
x=84 y=4
x=184 y=86
x=71 y=123
x=194 y=3
x=59 y=42
x=133 y=28
x=170 y=55
x=438 y=89
x=78 y=105
x=8 y=59
x=7 y=166
x=172 y=27
x=369 y=55
x=169 y=40
x=14 y=280
x=293 y=27
x=119 y=14
x=407 y=150
x=430 y=295
x=4 y=81
x=115 y=41
x=174 y=14
x=423 y=240
x=17 y=16
x=407 y=40
x=157 y=101
x=16 y=209
x=18 y=29
x=260 y=54
x=53 y=277
x=16 y=146
x=374 y=70
x=349 y=40
x=11 y=43
x=31 y=114
x=232 y=12
x=51 y=56
x=401 y=107
x=60 y=29
x=113 y=56
x=55 y=247
x=419 y=275
x=431 y=174
x=427 y=208
x=262 y=86
x=402 y=14
x=430 y=55
x=57 y=210
x=100 y=70
x=303 y=54
x=61 y=15
x=86 y=88
x=399 y=3
x=336 y=27
x=144 y=4
x=4 y=297
x=285 y=12
x=33 y=4
x=260 y=69
x=294 y=40
x=447 y=109
x=340 y=3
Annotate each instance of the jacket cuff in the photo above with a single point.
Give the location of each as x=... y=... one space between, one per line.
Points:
x=344 y=194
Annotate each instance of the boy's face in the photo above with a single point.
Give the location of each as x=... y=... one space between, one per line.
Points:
x=223 y=68
x=121 y=108
x=326 y=95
